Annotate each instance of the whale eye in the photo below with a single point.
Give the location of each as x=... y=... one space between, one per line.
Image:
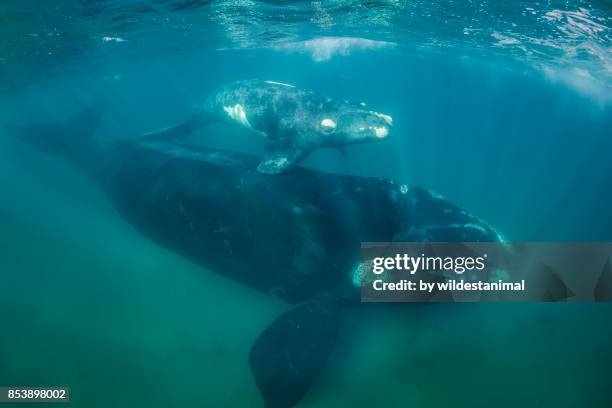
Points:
x=328 y=125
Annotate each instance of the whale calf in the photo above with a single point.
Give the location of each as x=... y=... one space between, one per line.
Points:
x=295 y=236
x=294 y=122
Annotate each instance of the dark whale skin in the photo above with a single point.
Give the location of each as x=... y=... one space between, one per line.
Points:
x=292 y=235
x=295 y=235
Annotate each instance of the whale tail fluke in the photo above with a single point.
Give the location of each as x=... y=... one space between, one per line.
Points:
x=71 y=139
x=290 y=354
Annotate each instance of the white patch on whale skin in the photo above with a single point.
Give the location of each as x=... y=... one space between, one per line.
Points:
x=238 y=114
x=328 y=124
x=381 y=132
x=362 y=104
x=384 y=117
x=279 y=83
x=281 y=161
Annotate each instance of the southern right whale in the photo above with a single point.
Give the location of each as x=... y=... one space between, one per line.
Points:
x=296 y=236
x=294 y=121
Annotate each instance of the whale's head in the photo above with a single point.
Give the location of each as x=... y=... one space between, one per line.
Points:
x=356 y=126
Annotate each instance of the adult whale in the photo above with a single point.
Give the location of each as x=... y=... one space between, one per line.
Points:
x=296 y=236
x=294 y=122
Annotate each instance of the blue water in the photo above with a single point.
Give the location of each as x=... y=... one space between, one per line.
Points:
x=505 y=108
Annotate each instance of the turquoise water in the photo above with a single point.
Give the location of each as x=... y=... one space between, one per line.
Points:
x=502 y=107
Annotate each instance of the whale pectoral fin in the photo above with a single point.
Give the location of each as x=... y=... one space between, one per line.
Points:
x=290 y=354
x=343 y=151
x=275 y=161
